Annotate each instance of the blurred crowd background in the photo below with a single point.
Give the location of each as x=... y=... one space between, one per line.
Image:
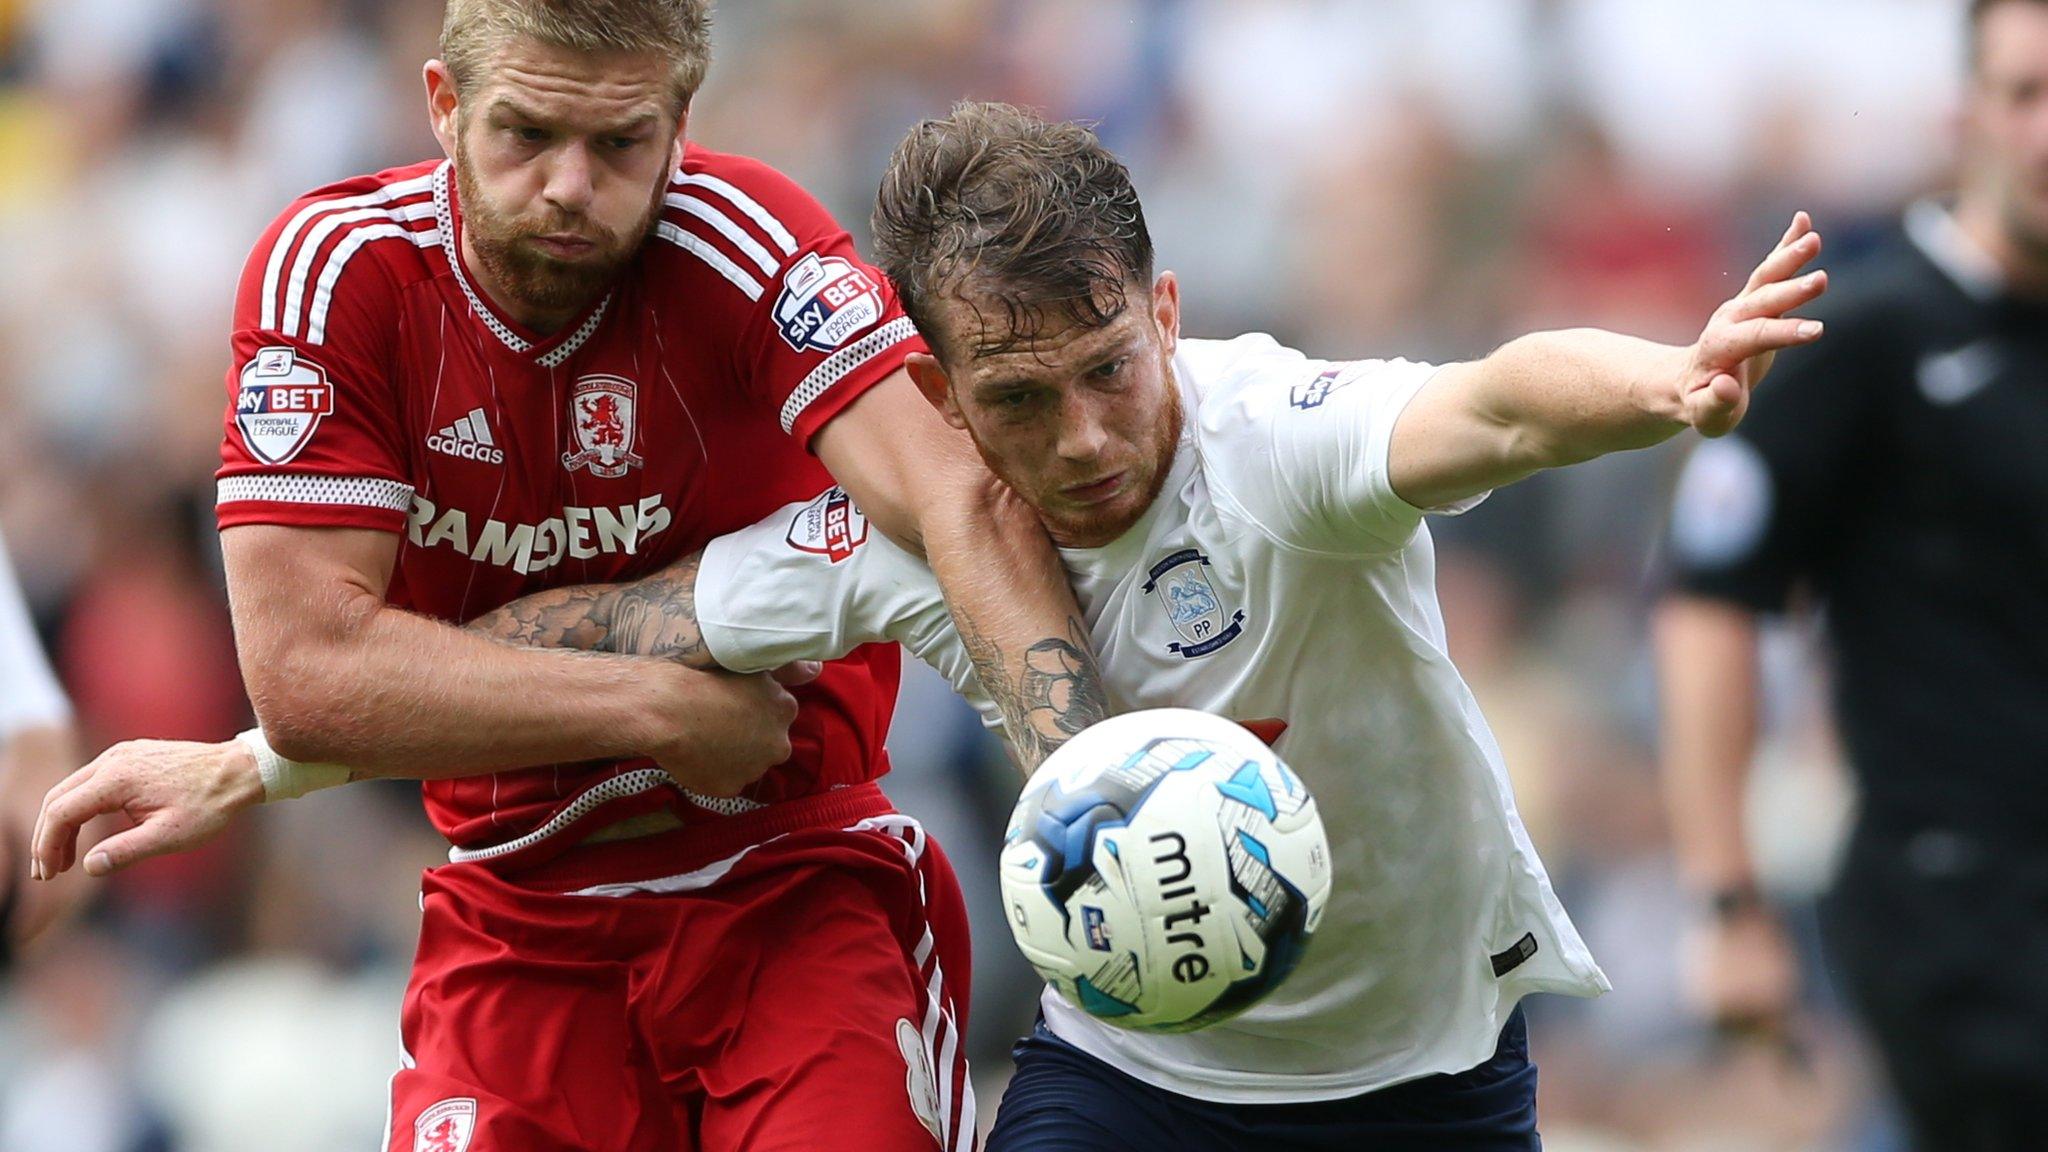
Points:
x=1360 y=177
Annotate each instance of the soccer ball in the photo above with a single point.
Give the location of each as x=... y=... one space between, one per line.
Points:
x=1164 y=870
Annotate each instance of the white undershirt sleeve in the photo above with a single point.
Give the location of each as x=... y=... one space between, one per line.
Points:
x=29 y=695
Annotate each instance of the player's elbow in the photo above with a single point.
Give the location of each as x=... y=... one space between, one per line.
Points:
x=306 y=689
x=1524 y=446
x=299 y=722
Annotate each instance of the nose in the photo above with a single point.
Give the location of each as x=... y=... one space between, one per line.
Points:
x=1081 y=434
x=569 y=182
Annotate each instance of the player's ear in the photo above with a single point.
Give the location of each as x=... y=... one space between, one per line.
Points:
x=675 y=160
x=930 y=377
x=1166 y=310
x=441 y=104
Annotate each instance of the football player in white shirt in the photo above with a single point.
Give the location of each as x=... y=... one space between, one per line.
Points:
x=1243 y=528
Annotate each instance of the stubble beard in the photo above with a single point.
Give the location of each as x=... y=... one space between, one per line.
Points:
x=1165 y=442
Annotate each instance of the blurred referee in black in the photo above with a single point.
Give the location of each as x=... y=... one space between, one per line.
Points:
x=1897 y=474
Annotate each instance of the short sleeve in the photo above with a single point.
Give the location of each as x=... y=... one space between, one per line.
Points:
x=1301 y=447
x=813 y=581
x=311 y=435
x=29 y=695
x=822 y=326
x=1755 y=512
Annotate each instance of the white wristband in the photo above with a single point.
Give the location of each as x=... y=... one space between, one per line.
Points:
x=288 y=779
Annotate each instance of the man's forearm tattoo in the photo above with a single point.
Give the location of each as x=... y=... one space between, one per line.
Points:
x=652 y=617
x=579 y=617
x=658 y=617
x=1057 y=693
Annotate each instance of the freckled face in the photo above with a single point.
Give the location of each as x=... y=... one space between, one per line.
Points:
x=1081 y=422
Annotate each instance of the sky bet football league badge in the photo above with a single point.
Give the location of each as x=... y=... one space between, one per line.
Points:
x=825 y=300
x=831 y=526
x=280 y=402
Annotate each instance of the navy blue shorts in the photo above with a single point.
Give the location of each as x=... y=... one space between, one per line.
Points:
x=1063 y=1100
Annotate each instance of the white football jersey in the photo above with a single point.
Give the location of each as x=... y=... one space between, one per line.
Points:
x=29 y=695
x=1277 y=578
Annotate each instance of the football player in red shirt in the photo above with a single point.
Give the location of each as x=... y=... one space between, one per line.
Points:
x=679 y=913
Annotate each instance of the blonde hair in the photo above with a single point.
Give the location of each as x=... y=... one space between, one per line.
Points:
x=473 y=30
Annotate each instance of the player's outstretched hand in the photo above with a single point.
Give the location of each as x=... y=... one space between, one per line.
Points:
x=175 y=795
x=1735 y=350
x=733 y=728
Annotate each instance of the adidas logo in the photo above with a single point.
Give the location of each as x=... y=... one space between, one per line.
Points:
x=469 y=439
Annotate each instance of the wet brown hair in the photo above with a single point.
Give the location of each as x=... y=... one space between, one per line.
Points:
x=997 y=206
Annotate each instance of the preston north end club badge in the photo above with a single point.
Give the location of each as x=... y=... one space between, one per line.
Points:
x=1192 y=604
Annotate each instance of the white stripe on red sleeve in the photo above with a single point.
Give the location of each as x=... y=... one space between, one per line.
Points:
x=841 y=364
x=356 y=491
x=703 y=250
x=301 y=278
x=323 y=292
x=747 y=205
x=273 y=271
x=703 y=209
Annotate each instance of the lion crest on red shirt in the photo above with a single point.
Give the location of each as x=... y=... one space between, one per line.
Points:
x=601 y=426
x=445 y=1127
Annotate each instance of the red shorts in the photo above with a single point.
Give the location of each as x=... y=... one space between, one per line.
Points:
x=794 y=979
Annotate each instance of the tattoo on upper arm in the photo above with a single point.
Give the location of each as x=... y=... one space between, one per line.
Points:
x=1056 y=694
x=652 y=617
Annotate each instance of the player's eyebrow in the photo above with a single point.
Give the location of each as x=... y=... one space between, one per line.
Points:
x=993 y=388
x=1086 y=353
x=628 y=127
x=504 y=106
x=1011 y=380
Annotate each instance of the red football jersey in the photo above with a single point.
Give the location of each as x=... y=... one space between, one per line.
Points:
x=374 y=386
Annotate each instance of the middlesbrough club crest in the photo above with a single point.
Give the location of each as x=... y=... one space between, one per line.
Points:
x=601 y=427
x=280 y=401
x=446 y=1127
x=1192 y=604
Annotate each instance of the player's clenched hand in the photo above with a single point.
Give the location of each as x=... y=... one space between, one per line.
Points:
x=174 y=794
x=732 y=728
x=1735 y=350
